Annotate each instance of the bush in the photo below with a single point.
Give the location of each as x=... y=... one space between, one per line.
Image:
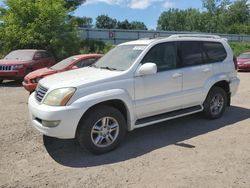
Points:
x=240 y=47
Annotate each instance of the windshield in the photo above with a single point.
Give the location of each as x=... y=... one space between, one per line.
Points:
x=120 y=58
x=64 y=63
x=20 y=55
x=244 y=56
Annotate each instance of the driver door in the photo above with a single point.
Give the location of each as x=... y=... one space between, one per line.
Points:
x=160 y=92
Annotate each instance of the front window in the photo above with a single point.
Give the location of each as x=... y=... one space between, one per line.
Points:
x=64 y=63
x=244 y=56
x=20 y=55
x=120 y=58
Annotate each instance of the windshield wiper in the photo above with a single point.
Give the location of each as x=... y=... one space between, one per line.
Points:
x=108 y=68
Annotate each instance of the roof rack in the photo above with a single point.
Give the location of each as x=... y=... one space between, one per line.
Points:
x=195 y=35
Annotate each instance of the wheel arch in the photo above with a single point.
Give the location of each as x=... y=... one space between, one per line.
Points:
x=225 y=85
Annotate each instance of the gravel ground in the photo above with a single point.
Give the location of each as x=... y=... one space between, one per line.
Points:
x=186 y=152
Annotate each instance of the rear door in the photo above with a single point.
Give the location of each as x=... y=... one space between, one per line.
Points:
x=196 y=71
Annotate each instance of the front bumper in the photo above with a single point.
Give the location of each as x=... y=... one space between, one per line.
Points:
x=243 y=67
x=29 y=86
x=69 y=117
x=12 y=75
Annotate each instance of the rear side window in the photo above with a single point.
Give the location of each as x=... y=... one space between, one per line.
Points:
x=163 y=55
x=215 y=52
x=191 y=53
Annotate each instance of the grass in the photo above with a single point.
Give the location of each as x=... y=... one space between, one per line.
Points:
x=240 y=47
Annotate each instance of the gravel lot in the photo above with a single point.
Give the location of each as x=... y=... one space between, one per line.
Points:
x=187 y=152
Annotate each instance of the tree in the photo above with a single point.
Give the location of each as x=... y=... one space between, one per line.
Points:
x=135 y=25
x=138 y=25
x=105 y=22
x=38 y=24
x=123 y=25
x=85 y=22
x=73 y=4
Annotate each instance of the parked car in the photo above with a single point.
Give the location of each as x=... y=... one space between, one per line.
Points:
x=243 y=62
x=17 y=64
x=74 y=62
x=136 y=84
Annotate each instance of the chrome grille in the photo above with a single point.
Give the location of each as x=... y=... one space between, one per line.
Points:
x=5 y=67
x=40 y=92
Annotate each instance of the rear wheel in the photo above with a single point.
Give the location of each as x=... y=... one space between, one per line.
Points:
x=102 y=129
x=215 y=103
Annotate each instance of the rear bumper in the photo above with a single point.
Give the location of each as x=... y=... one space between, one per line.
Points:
x=234 y=85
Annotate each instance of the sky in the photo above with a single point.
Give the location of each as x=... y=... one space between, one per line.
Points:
x=147 y=11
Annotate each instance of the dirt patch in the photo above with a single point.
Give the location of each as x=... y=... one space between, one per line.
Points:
x=186 y=152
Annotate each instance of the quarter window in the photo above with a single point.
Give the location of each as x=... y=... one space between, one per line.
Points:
x=163 y=55
x=215 y=52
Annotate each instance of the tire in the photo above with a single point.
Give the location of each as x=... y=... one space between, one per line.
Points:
x=215 y=103
x=101 y=130
x=1 y=81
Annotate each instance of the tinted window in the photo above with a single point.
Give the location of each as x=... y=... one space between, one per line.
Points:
x=45 y=55
x=163 y=55
x=191 y=53
x=215 y=52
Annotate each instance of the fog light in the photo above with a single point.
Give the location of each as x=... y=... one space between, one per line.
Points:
x=50 y=123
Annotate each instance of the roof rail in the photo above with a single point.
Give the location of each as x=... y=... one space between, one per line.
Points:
x=195 y=35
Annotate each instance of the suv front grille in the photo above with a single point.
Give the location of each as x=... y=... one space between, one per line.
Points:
x=40 y=93
x=5 y=68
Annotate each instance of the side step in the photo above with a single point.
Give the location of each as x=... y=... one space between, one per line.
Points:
x=167 y=116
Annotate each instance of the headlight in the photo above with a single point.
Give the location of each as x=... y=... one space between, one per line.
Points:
x=16 y=67
x=59 y=97
x=247 y=63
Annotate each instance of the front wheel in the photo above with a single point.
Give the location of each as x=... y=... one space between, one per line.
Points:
x=215 y=103
x=101 y=130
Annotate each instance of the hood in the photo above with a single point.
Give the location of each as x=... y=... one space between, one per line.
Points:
x=13 y=62
x=77 y=77
x=239 y=60
x=40 y=73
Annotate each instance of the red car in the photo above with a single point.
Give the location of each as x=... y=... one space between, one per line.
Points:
x=17 y=64
x=244 y=61
x=74 y=62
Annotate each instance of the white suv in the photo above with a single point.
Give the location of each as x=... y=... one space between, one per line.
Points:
x=136 y=84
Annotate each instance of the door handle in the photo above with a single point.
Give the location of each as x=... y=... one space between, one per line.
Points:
x=206 y=70
x=177 y=75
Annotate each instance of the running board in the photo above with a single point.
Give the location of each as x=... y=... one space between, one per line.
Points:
x=167 y=116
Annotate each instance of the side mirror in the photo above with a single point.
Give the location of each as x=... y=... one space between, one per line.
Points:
x=147 y=69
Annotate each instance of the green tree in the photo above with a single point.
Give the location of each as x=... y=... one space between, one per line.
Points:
x=123 y=25
x=38 y=24
x=105 y=22
x=85 y=22
x=73 y=4
x=138 y=25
